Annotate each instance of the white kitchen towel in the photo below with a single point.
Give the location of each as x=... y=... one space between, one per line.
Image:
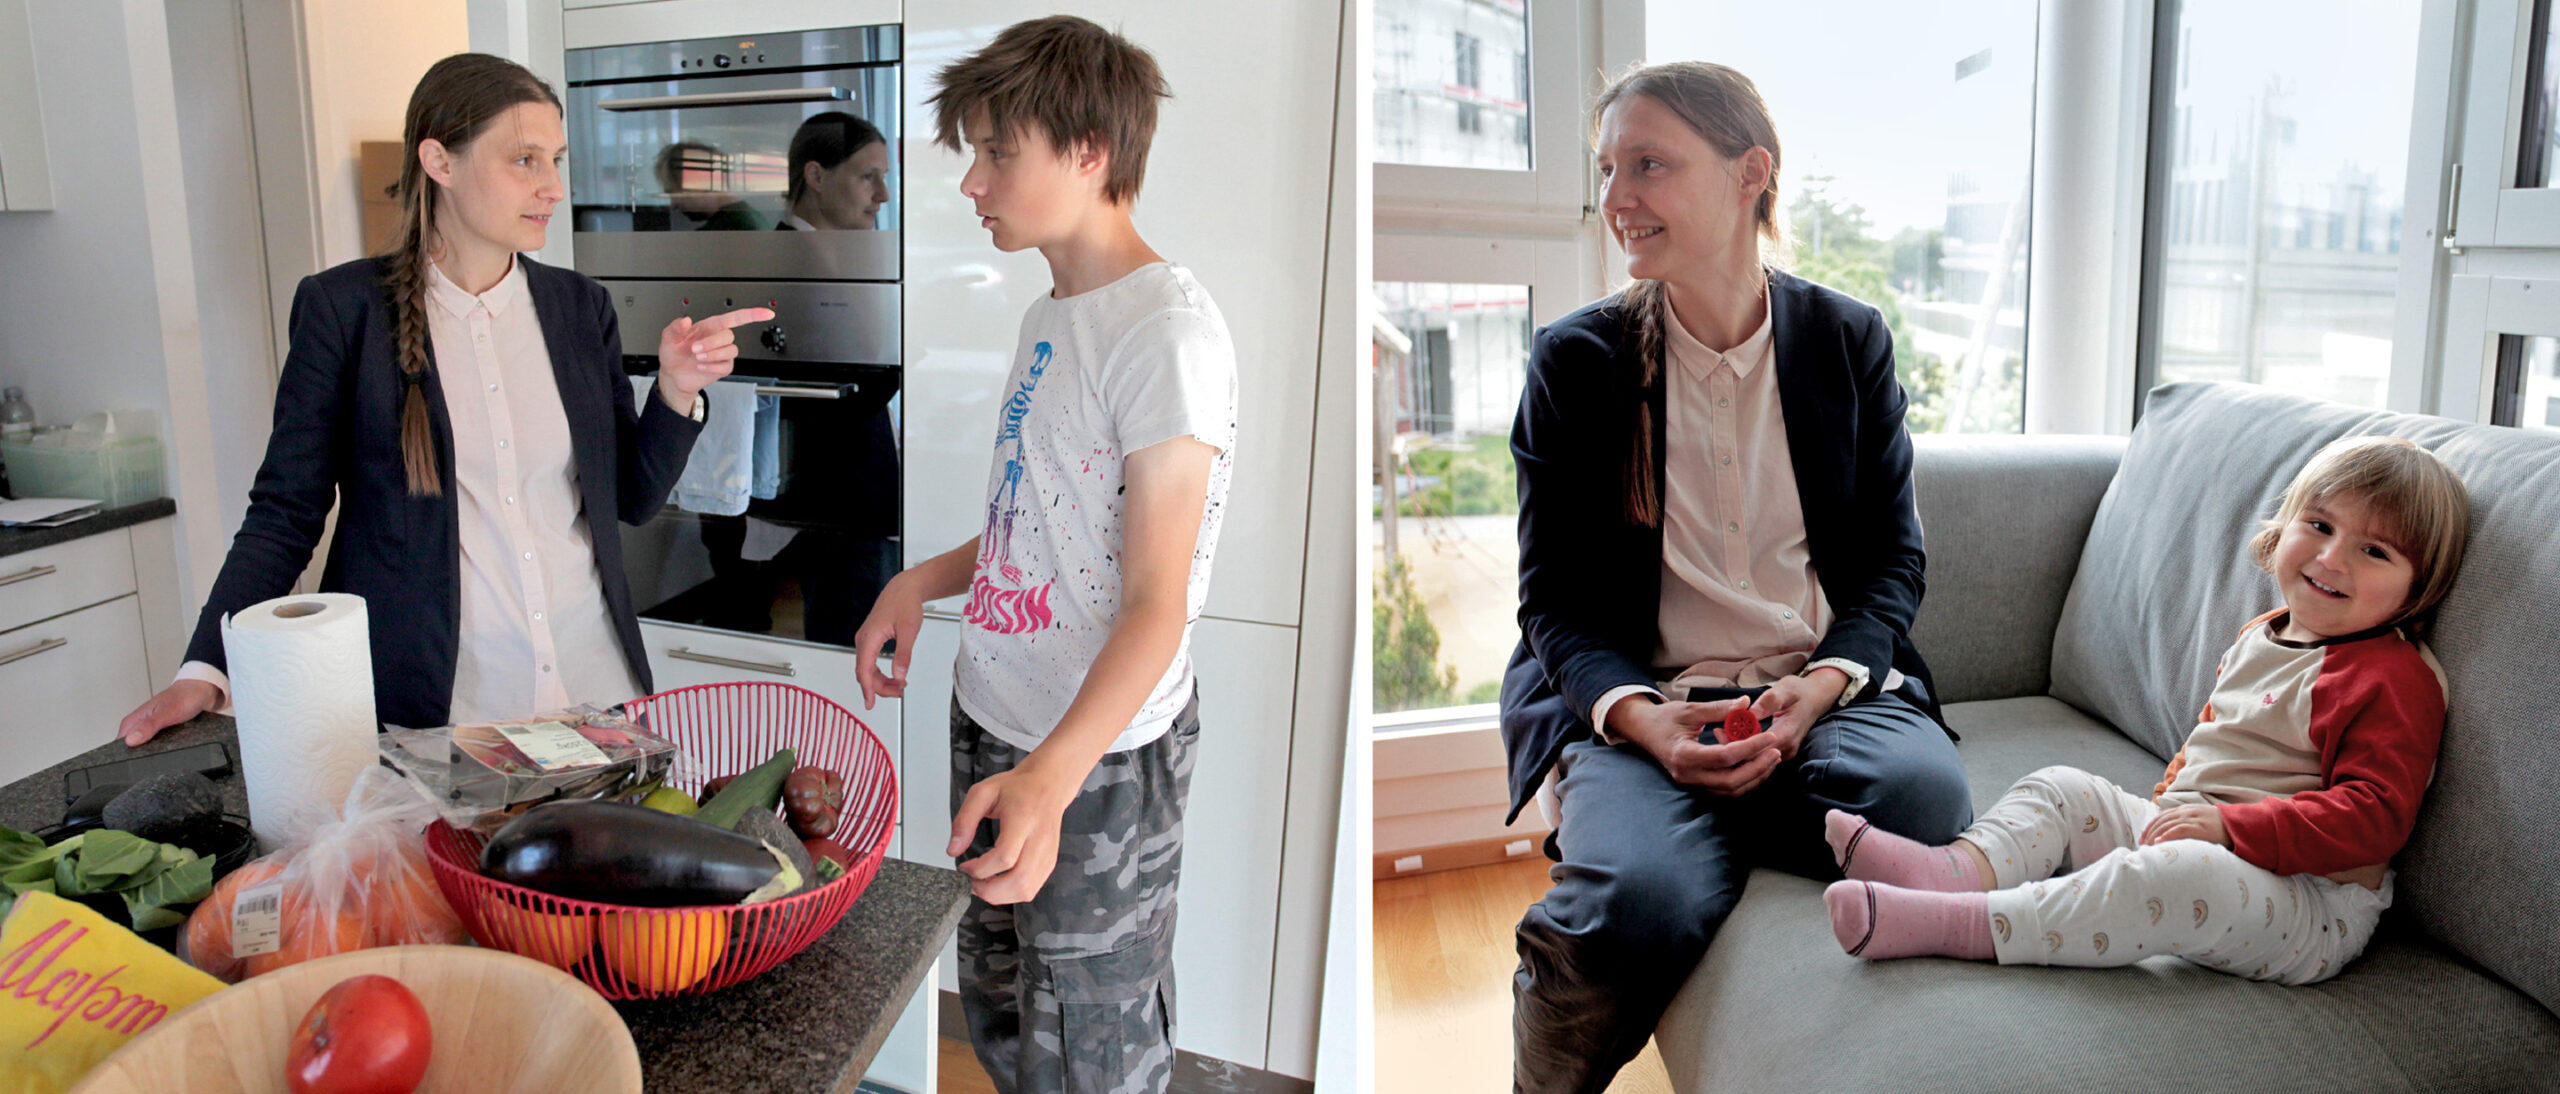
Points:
x=717 y=478
x=301 y=671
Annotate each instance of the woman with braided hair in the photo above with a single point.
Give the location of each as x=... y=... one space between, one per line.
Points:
x=1716 y=522
x=464 y=408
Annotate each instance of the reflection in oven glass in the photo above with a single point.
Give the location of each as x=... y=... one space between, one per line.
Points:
x=814 y=547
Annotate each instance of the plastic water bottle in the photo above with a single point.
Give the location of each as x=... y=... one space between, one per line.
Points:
x=17 y=419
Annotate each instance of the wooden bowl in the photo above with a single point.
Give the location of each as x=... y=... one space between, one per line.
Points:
x=501 y=1023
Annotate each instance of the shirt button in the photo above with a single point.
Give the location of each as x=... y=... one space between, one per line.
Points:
x=1730 y=526
x=1724 y=402
x=1746 y=584
x=528 y=556
x=502 y=444
x=546 y=668
x=511 y=499
x=537 y=617
x=1728 y=461
x=1781 y=615
x=493 y=387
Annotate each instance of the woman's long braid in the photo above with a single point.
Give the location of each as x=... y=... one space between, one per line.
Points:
x=1645 y=303
x=404 y=275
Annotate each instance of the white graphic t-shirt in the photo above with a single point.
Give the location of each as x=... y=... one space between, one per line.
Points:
x=1097 y=376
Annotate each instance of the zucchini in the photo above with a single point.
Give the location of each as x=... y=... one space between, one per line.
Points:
x=759 y=788
x=614 y=853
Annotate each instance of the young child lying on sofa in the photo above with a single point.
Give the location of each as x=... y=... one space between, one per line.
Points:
x=2265 y=850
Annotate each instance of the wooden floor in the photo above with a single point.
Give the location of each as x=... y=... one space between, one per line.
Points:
x=1443 y=960
x=960 y=1073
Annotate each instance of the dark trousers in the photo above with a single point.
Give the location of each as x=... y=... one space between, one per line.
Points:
x=1650 y=868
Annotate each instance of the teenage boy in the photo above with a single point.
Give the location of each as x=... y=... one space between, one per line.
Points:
x=1074 y=715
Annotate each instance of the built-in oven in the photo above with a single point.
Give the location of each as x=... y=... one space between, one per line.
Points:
x=759 y=171
x=753 y=157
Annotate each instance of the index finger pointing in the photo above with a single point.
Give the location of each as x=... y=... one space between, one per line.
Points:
x=726 y=320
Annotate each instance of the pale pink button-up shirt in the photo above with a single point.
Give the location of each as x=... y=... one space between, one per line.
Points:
x=1741 y=604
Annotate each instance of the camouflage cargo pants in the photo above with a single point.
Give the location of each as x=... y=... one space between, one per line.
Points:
x=1071 y=992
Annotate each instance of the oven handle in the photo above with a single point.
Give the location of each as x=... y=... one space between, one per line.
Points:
x=727 y=98
x=794 y=391
x=784 y=668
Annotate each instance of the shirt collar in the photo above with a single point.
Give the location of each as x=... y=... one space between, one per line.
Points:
x=459 y=304
x=1697 y=360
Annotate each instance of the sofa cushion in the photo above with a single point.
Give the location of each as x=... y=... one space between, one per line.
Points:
x=2004 y=518
x=1775 y=1005
x=2164 y=585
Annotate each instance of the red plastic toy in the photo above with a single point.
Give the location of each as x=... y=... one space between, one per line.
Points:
x=1739 y=725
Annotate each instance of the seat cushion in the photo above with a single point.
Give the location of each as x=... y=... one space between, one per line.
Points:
x=2164 y=585
x=1775 y=1005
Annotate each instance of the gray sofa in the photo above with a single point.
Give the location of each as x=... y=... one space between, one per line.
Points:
x=2080 y=590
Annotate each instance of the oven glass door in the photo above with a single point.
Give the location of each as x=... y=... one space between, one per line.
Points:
x=695 y=176
x=818 y=538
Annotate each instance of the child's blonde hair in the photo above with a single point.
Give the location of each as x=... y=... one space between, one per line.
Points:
x=2416 y=502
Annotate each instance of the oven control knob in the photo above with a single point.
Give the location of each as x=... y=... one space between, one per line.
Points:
x=774 y=339
x=719 y=60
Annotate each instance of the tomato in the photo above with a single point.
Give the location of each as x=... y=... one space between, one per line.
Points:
x=366 y=1035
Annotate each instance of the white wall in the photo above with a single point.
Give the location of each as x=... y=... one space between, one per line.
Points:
x=101 y=310
x=366 y=57
x=241 y=351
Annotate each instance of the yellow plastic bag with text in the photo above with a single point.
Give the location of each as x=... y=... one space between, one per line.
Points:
x=74 y=987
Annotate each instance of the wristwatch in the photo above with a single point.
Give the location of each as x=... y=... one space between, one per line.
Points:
x=700 y=398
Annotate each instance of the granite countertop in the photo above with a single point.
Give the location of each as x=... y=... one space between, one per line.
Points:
x=14 y=540
x=812 y=1024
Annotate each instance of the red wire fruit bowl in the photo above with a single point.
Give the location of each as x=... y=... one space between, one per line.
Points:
x=629 y=952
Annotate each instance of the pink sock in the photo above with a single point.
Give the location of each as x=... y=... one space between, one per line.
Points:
x=1876 y=921
x=1865 y=852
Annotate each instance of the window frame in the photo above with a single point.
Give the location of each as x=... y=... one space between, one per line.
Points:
x=2490 y=210
x=1554 y=187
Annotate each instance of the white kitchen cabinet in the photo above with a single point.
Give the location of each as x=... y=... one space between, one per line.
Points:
x=69 y=680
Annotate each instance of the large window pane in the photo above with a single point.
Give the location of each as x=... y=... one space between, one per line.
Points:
x=2288 y=146
x=2528 y=382
x=1905 y=149
x=1453 y=83
x=1443 y=496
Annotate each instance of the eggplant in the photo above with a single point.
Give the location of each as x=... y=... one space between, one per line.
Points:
x=613 y=853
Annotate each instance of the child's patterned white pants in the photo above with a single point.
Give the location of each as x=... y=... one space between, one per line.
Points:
x=2111 y=902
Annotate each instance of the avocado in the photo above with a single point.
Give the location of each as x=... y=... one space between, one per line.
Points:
x=167 y=808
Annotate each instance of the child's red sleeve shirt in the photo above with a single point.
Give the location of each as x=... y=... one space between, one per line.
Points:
x=2317 y=754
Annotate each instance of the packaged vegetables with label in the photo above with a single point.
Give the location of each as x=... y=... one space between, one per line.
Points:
x=482 y=774
x=357 y=882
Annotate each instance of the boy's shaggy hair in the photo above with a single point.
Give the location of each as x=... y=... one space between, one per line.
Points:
x=2417 y=503
x=1083 y=86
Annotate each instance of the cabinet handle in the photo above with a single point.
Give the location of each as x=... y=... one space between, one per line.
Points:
x=29 y=574
x=40 y=647
x=683 y=654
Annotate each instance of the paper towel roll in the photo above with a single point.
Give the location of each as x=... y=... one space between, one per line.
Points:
x=301 y=672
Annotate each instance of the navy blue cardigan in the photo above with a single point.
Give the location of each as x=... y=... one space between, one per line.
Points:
x=337 y=441
x=1591 y=579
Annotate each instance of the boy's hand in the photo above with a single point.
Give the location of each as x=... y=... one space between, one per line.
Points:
x=1797 y=702
x=1027 y=804
x=2202 y=822
x=896 y=615
x=1669 y=732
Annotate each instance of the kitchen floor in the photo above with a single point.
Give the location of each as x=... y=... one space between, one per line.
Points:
x=1442 y=980
x=959 y=1072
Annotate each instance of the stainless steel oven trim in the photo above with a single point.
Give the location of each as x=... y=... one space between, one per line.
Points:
x=725 y=98
x=760 y=256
